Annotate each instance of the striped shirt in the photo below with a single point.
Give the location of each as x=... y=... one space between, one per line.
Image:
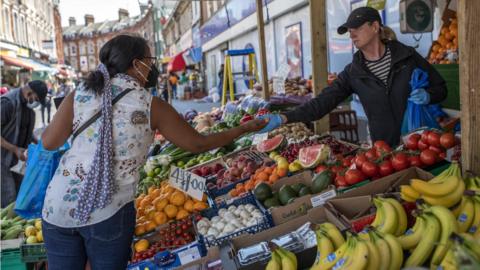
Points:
x=381 y=67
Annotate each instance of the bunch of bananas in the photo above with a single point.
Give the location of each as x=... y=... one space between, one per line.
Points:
x=390 y=217
x=446 y=189
x=329 y=239
x=463 y=253
x=282 y=259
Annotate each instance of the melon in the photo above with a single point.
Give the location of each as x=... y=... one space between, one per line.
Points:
x=311 y=156
x=271 y=144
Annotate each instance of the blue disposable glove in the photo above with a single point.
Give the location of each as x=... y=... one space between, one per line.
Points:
x=419 y=96
x=274 y=121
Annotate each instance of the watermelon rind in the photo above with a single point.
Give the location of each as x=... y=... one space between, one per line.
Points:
x=271 y=144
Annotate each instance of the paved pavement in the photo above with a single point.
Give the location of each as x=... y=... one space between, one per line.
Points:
x=183 y=105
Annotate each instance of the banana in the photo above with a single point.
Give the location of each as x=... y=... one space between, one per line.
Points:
x=383 y=249
x=425 y=247
x=402 y=216
x=332 y=258
x=465 y=218
x=358 y=258
x=389 y=213
x=443 y=188
x=275 y=262
x=456 y=209
x=333 y=233
x=379 y=217
x=448 y=200
x=324 y=246
x=453 y=169
x=373 y=256
x=408 y=193
x=472 y=244
x=396 y=252
x=476 y=217
x=288 y=259
x=449 y=262
x=413 y=235
x=448 y=226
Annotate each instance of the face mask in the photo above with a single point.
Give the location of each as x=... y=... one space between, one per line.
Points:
x=33 y=105
x=152 y=76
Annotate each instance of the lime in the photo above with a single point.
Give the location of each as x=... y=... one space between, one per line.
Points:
x=272 y=155
x=180 y=163
x=158 y=171
x=151 y=173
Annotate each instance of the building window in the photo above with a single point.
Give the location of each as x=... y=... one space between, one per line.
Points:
x=91 y=47
x=92 y=62
x=74 y=62
x=82 y=49
x=73 y=49
x=16 y=33
x=65 y=51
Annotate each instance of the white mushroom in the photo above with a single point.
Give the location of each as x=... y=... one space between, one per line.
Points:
x=222 y=212
x=229 y=228
x=249 y=207
x=232 y=208
x=203 y=230
x=219 y=225
x=229 y=216
x=245 y=215
x=203 y=223
x=212 y=231
x=215 y=219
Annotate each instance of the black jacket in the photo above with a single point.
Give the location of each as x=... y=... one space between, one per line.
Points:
x=383 y=105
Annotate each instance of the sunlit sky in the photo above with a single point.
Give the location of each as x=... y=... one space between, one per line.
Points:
x=101 y=9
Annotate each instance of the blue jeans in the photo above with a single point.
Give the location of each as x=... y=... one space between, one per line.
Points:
x=106 y=245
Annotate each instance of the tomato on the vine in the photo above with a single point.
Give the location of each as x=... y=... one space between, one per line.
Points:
x=354 y=176
x=415 y=161
x=385 y=168
x=447 y=140
x=428 y=157
x=400 y=162
x=369 y=168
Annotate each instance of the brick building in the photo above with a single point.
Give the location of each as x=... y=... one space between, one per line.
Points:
x=82 y=43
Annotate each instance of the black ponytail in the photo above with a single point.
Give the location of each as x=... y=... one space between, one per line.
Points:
x=117 y=55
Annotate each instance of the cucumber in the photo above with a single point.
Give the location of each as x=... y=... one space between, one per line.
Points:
x=6 y=224
x=7 y=210
x=11 y=213
x=13 y=233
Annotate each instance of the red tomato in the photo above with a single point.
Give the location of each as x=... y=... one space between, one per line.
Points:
x=428 y=157
x=337 y=169
x=424 y=137
x=382 y=147
x=435 y=149
x=359 y=160
x=412 y=141
x=400 y=162
x=347 y=162
x=434 y=139
x=422 y=145
x=354 y=176
x=371 y=154
x=415 y=161
x=320 y=168
x=369 y=169
x=447 y=140
x=385 y=168
x=340 y=181
x=442 y=155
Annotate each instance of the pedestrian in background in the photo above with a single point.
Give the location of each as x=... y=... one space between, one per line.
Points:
x=47 y=105
x=18 y=122
x=174 y=83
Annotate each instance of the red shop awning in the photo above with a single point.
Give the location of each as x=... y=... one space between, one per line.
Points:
x=177 y=63
x=12 y=61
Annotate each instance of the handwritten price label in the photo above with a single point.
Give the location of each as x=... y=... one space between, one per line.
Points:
x=258 y=138
x=187 y=182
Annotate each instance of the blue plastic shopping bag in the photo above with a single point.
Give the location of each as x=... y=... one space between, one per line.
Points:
x=416 y=115
x=41 y=166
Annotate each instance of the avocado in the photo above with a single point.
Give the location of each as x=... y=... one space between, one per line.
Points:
x=297 y=187
x=304 y=191
x=262 y=191
x=271 y=202
x=286 y=193
x=321 y=181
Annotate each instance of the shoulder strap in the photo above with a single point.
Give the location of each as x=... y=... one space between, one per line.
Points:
x=98 y=114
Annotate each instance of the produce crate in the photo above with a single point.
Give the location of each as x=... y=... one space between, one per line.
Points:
x=12 y=260
x=33 y=252
x=261 y=226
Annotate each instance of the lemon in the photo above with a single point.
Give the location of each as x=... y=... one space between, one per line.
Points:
x=282 y=164
x=40 y=236
x=32 y=239
x=38 y=224
x=272 y=155
x=30 y=231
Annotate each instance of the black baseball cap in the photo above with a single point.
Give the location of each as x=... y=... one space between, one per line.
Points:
x=40 y=88
x=358 y=17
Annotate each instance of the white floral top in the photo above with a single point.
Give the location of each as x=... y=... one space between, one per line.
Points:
x=132 y=136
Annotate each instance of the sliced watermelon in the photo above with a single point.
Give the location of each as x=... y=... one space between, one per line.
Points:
x=311 y=156
x=271 y=144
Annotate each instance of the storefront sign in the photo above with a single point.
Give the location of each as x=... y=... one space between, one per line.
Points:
x=187 y=182
x=376 y=4
x=47 y=44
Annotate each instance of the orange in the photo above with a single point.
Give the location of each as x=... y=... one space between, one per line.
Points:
x=140 y=211
x=199 y=206
x=150 y=226
x=171 y=210
x=182 y=213
x=160 y=205
x=142 y=245
x=262 y=176
x=273 y=178
x=282 y=172
x=160 y=218
x=204 y=197
x=139 y=230
x=442 y=40
x=249 y=185
x=141 y=219
x=138 y=200
x=233 y=193
x=449 y=36
x=435 y=48
x=150 y=190
x=156 y=193
x=168 y=190
x=151 y=215
x=177 y=198
x=189 y=205
x=146 y=201
x=268 y=170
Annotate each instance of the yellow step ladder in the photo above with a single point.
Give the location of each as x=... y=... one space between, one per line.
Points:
x=229 y=76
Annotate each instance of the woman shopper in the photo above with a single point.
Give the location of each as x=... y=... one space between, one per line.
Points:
x=379 y=74
x=89 y=212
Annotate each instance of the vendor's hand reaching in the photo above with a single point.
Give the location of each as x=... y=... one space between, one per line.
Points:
x=254 y=125
x=274 y=121
x=20 y=153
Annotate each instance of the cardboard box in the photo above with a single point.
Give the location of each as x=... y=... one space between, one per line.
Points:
x=301 y=205
x=305 y=258
x=212 y=255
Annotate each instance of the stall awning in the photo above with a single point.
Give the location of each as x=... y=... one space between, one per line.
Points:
x=13 y=61
x=177 y=63
x=37 y=66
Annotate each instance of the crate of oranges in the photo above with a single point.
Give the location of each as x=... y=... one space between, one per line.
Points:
x=162 y=205
x=264 y=174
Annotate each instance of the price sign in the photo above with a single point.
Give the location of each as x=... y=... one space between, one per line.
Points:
x=279 y=85
x=322 y=198
x=258 y=138
x=189 y=255
x=187 y=182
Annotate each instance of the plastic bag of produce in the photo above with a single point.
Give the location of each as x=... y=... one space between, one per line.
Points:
x=41 y=166
x=251 y=104
x=416 y=115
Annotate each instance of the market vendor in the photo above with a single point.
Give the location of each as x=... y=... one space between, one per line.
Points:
x=18 y=122
x=89 y=211
x=379 y=74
